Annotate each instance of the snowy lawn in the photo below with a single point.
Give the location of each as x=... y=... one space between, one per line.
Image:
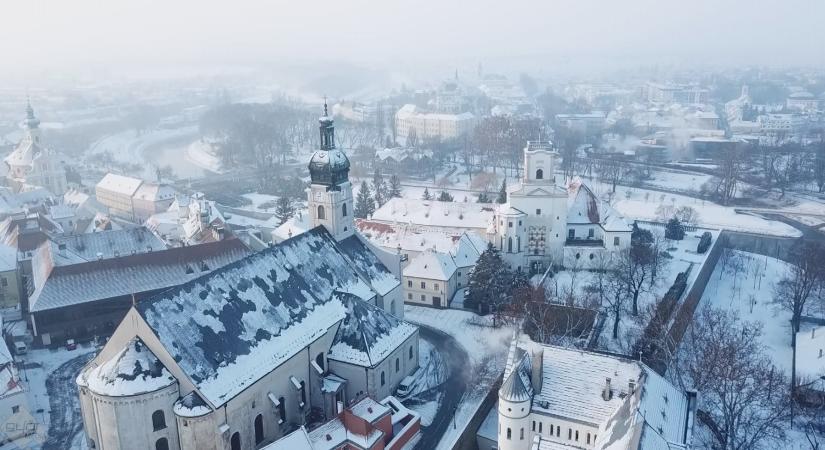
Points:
x=264 y=202
x=486 y=348
x=743 y=283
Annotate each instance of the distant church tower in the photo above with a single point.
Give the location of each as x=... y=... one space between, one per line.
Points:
x=330 y=192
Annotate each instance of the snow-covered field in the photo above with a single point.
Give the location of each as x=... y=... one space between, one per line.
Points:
x=201 y=154
x=743 y=283
x=487 y=351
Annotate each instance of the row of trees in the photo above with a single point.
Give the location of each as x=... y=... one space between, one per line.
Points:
x=375 y=194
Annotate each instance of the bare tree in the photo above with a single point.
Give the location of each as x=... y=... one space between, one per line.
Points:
x=730 y=171
x=615 y=297
x=792 y=292
x=746 y=398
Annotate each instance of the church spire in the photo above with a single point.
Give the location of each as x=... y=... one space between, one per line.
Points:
x=327 y=129
x=31 y=122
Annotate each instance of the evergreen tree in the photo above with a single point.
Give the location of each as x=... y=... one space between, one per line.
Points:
x=284 y=209
x=427 y=195
x=364 y=205
x=674 y=229
x=502 y=193
x=491 y=284
x=445 y=196
x=395 y=187
x=483 y=197
x=379 y=188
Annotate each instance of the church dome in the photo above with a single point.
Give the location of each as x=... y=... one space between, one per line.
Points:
x=31 y=120
x=328 y=166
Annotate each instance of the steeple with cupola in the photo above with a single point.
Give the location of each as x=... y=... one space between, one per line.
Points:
x=330 y=192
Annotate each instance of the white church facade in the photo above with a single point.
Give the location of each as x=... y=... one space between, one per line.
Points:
x=31 y=163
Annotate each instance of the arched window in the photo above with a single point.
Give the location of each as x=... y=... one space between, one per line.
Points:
x=259 y=429
x=158 y=420
x=397 y=364
x=320 y=360
x=509 y=433
x=383 y=378
x=410 y=352
x=235 y=443
x=162 y=444
x=509 y=245
x=539 y=174
x=344 y=210
x=321 y=214
x=282 y=409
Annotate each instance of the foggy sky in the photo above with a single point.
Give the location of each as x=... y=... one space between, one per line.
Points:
x=42 y=36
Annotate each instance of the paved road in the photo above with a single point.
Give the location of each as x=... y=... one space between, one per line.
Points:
x=64 y=416
x=457 y=362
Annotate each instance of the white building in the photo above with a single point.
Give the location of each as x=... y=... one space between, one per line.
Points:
x=553 y=398
x=781 y=123
x=585 y=124
x=18 y=421
x=356 y=112
x=32 y=163
x=133 y=199
x=803 y=101
x=432 y=125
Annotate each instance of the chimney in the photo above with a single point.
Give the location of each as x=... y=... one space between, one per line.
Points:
x=607 y=394
x=537 y=361
x=631 y=386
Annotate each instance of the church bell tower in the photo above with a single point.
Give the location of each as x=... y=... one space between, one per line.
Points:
x=330 y=192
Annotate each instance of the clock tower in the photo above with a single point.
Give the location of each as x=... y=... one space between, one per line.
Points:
x=330 y=193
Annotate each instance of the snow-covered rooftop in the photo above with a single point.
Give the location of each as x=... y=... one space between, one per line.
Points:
x=119 y=184
x=228 y=329
x=121 y=276
x=435 y=213
x=80 y=248
x=431 y=265
x=131 y=371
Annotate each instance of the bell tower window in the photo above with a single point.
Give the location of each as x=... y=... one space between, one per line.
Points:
x=539 y=174
x=321 y=213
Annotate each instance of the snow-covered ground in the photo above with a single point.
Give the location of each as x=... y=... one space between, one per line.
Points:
x=263 y=202
x=39 y=365
x=486 y=348
x=202 y=154
x=743 y=283
x=130 y=148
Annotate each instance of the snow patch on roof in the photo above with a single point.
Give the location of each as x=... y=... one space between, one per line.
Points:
x=131 y=371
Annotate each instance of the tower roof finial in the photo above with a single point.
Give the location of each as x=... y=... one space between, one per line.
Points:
x=325 y=106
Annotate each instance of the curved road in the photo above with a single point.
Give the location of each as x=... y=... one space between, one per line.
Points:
x=457 y=361
x=64 y=415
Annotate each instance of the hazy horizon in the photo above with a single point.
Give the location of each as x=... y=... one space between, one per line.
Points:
x=117 y=38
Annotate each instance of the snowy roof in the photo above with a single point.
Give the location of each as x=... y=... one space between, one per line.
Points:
x=154 y=192
x=368 y=334
x=296 y=225
x=431 y=265
x=131 y=371
x=121 y=276
x=573 y=381
x=231 y=327
x=368 y=265
x=468 y=249
x=407 y=237
x=583 y=207
x=119 y=184
x=517 y=386
x=191 y=405
x=297 y=440
x=370 y=410
x=435 y=213
x=8 y=258
x=80 y=248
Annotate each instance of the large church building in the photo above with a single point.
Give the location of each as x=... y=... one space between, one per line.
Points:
x=244 y=355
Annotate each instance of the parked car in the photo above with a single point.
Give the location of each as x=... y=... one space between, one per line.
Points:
x=71 y=345
x=406 y=385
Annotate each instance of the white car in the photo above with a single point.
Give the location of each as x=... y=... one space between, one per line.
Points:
x=406 y=385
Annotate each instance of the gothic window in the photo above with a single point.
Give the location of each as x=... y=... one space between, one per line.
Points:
x=539 y=174
x=397 y=365
x=344 y=210
x=158 y=420
x=321 y=214
x=383 y=378
x=236 y=441
x=509 y=433
x=509 y=245
x=162 y=444
x=410 y=352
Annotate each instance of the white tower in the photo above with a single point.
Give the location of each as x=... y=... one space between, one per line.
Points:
x=515 y=398
x=330 y=193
